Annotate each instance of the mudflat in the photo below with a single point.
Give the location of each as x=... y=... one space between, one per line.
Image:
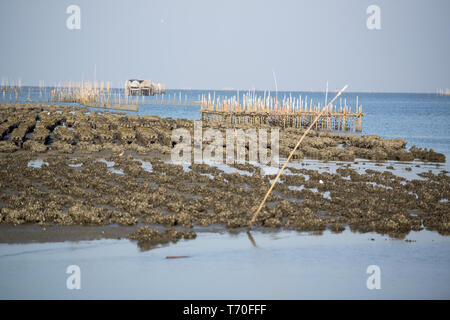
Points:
x=68 y=173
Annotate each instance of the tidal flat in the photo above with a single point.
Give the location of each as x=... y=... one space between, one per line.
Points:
x=100 y=183
x=67 y=166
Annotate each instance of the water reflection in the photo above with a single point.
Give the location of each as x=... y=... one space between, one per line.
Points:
x=252 y=240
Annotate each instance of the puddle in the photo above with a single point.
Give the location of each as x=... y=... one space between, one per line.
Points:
x=116 y=171
x=359 y=165
x=146 y=165
x=300 y=188
x=226 y=168
x=110 y=166
x=380 y=185
x=208 y=175
x=185 y=165
x=75 y=165
x=36 y=163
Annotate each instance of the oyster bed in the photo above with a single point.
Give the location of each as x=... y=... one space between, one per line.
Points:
x=68 y=166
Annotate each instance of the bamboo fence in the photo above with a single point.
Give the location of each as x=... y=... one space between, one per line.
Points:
x=290 y=112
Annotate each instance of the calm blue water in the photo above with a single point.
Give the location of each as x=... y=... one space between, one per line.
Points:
x=283 y=265
x=422 y=119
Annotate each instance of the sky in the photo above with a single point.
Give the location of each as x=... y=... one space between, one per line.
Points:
x=230 y=44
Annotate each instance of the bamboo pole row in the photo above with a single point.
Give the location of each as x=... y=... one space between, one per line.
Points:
x=101 y=94
x=10 y=86
x=443 y=92
x=169 y=99
x=96 y=94
x=289 y=112
x=93 y=94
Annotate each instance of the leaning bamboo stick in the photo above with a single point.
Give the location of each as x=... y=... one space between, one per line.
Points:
x=255 y=215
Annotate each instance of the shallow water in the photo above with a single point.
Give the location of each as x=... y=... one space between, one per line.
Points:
x=284 y=265
x=361 y=165
x=110 y=166
x=37 y=164
x=146 y=165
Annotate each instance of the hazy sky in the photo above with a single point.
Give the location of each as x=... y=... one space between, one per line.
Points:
x=231 y=44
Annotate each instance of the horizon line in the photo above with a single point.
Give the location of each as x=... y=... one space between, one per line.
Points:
x=273 y=90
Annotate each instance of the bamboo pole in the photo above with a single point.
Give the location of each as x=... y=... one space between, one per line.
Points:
x=255 y=215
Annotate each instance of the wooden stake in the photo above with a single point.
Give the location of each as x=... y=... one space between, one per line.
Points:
x=255 y=215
